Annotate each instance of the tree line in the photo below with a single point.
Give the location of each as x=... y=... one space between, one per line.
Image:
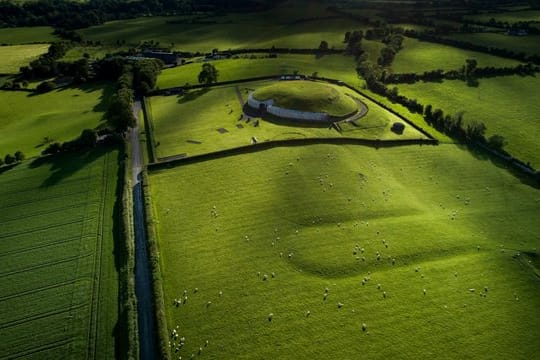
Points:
x=66 y=14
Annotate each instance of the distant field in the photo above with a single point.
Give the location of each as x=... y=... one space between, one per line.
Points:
x=419 y=244
x=253 y=30
x=25 y=35
x=59 y=284
x=94 y=52
x=13 y=57
x=511 y=16
x=525 y=44
x=189 y=125
x=61 y=115
x=419 y=56
x=331 y=66
x=507 y=105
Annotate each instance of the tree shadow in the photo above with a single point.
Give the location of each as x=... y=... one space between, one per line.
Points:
x=5 y=168
x=63 y=166
x=192 y=95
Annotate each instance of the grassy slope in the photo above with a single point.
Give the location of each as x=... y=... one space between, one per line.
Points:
x=332 y=66
x=26 y=35
x=178 y=121
x=57 y=237
x=13 y=57
x=507 y=105
x=61 y=115
x=511 y=17
x=420 y=56
x=261 y=30
x=308 y=96
x=432 y=206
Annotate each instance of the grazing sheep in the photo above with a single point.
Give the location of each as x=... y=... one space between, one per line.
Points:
x=308 y=313
x=206 y=343
x=265 y=277
x=273 y=274
x=379 y=286
x=425 y=291
x=384 y=294
x=208 y=304
x=270 y=316
x=364 y=327
x=220 y=293
x=195 y=290
x=339 y=305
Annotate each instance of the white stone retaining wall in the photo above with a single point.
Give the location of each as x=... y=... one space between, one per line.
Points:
x=286 y=113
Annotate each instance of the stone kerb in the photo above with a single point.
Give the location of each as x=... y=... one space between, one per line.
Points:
x=286 y=113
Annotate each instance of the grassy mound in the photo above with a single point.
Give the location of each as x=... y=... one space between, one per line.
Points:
x=308 y=96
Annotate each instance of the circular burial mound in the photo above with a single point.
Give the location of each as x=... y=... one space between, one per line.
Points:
x=308 y=96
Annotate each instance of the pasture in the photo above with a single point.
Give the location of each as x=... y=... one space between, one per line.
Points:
x=519 y=44
x=61 y=115
x=330 y=251
x=419 y=56
x=331 y=66
x=27 y=35
x=508 y=16
x=209 y=120
x=507 y=105
x=59 y=283
x=13 y=57
x=291 y=25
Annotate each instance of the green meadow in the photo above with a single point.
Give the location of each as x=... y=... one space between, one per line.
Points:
x=204 y=121
x=419 y=56
x=507 y=105
x=291 y=25
x=26 y=35
x=59 y=283
x=13 y=57
x=329 y=251
x=61 y=115
x=520 y=44
x=509 y=16
x=331 y=66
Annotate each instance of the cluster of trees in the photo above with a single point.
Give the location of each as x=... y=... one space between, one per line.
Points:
x=67 y=14
x=133 y=78
x=426 y=36
x=354 y=43
x=466 y=73
x=48 y=65
x=209 y=74
x=12 y=159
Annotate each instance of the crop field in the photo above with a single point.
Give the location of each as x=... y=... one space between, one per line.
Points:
x=331 y=66
x=27 y=35
x=13 y=57
x=519 y=44
x=59 y=283
x=61 y=115
x=205 y=121
x=419 y=56
x=507 y=105
x=329 y=251
x=291 y=26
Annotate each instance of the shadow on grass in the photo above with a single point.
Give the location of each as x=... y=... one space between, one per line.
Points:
x=5 y=168
x=64 y=165
x=192 y=95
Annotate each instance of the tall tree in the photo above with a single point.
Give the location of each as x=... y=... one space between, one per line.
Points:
x=209 y=74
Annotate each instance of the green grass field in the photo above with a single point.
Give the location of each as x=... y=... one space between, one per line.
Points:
x=189 y=124
x=25 y=119
x=520 y=44
x=507 y=105
x=59 y=283
x=419 y=56
x=419 y=244
x=26 y=35
x=332 y=66
x=13 y=57
x=231 y=33
x=308 y=96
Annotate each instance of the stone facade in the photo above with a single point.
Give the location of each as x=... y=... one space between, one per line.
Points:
x=286 y=113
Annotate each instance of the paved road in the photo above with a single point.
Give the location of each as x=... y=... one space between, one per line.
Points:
x=143 y=280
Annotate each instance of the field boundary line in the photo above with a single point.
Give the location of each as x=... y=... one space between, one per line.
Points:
x=246 y=149
x=44 y=265
x=39 y=316
x=36 y=290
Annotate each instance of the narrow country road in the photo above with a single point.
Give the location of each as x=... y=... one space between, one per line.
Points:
x=143 y=281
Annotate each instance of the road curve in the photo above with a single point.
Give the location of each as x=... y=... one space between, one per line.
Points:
x=143 y=279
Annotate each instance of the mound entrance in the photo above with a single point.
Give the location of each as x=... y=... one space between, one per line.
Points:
x=304 y=100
